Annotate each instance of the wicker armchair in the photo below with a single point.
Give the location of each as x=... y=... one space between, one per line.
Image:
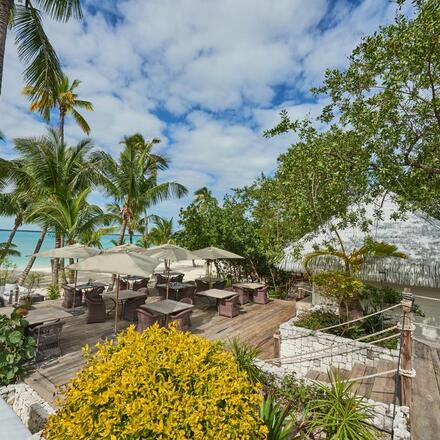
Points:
x=261 y=296
x=69 y=293
x=47 y=338
x=187 y=292
x=243 y=295
x=162 y=291
x=182 y=320
x=96 y=311
x=201 y=285
x=123 y=285
x=141 y=284
x=219 y=285
x=229 y=307
x=95 y=292
x=160 y=279
x=176 y=278
x=146 y=319
x=130 y=307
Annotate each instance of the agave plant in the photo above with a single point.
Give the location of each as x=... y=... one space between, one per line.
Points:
x=245 y=355
x=276 y=418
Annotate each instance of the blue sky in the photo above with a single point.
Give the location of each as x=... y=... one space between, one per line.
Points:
x=206 y=77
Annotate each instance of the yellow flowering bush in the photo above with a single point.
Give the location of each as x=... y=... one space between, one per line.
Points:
x=159 y=384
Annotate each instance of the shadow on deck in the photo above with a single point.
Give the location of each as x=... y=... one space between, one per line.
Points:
x=256 y=324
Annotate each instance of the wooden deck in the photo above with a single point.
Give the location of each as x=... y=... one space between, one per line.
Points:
x=255 y=324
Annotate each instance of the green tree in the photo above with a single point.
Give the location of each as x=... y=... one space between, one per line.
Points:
x=43 y=68
x=65 y=100
x=132 y=181
x=162 y=232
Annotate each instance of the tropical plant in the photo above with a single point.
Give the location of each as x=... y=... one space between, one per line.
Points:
x=245 y=356
x=276 y=419
x=340 y=413
x=43 y=68
x=162 y=231
x=15 y=348
x=22 y=277
x=159 y=383
x=132 y=181
x=6 y=270
x=8 y=249
x=94 y=238
x=53 y=291
x=65 y=100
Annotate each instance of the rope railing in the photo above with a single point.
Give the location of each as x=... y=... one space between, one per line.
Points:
x=426 y=297
x=371 y=376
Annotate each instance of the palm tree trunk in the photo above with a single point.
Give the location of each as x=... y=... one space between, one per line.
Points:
x=122 y=231
x=130 y=234
x=55 y=264
x=25 y=273
x=17 y=223
x=5 y=10
x=61 y=124
x=71 y=272
x=61 y=260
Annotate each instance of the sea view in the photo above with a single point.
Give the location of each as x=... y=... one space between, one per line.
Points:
x=26 y=240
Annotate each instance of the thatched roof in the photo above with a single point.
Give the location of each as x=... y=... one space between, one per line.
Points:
x=418 y=235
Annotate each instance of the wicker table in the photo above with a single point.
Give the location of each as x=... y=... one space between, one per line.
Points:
x=166 y=306
x=124 y=295
x=249 y=286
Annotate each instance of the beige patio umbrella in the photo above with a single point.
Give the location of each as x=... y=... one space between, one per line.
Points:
x=71 y=251
x=170 y=252
x=119 y=263
x=211 y=253
x=125 y=248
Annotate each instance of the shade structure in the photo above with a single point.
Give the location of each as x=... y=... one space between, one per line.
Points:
x=119 y=263
x=214 y=253
x=125 y=248
x=170 y=252
x=70 y=251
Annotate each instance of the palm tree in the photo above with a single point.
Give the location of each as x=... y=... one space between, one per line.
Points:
x=65 y=100
x=73 y=217
x=94 y=238
x=12 y=205
x=202 y=195
x=162 y=232
x=51 y=170
x=132 y=181
x=43 y=70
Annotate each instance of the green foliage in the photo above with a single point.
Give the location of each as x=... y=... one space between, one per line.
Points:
x=340 y=286
x=245 y=356
x=6 y=271
x=15 y=348
x=340 y=413
x=276 y=419
x=53 y=291
x=162 y=232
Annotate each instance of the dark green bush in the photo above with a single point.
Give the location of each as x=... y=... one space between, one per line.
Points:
x=15 y=348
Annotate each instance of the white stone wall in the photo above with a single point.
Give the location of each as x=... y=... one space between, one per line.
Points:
x=383 y=413
x=324 y=350
x=28 y=405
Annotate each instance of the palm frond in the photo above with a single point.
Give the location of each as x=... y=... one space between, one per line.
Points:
x=81 y=121
x=61 y=10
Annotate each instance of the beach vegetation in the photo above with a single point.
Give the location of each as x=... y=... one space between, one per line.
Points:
x=53 y=291
x=16 y=349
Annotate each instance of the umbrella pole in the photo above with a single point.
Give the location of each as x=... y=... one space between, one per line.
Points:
x=74 y=289
x=117 y=304
x=168 y=281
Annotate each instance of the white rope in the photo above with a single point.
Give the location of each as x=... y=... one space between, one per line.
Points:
x=383 y=373
x=426 y=297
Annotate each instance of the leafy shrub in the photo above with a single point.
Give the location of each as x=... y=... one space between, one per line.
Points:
x=159 y=384
x=338 y=285
x=340 y=413
x=53 y=291
x=275 y=417
x=245 y=355
x=15 y=348
x=278 y=292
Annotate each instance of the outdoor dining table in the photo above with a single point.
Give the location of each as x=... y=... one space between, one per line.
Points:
x=211 y=280
x=124 y=295
x=217 y=294
x=175 y=286
x=131 y=279
x=166 y=306
x=249 y=286
x=45 y=314
x=88 y=286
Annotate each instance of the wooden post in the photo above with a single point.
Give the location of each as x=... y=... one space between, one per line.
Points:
x=406 y=372
x=276 y=345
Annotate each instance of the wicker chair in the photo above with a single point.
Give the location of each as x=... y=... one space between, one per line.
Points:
x=160 y=279
x=260 y=296
x=219 y=285
x=243 y=295
x=162 y=291
x=69 y=293
x=201 y=285
x=177 y=278
x=229 y=307
x=123 y=285
x=141 y=284
x=47 y=338
x=146 y=319
x=182 y=320
x=95 y=292
x=187 y=292
x=130 y=307
x=96 y=311
x=187 y=300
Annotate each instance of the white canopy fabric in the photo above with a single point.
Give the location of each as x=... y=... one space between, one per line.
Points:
x=171 y=252
x=120 y=263
x=214 y=253
x=70 y=251
x=125 y=248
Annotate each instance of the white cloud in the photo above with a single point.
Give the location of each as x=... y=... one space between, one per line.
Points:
x=203 y=75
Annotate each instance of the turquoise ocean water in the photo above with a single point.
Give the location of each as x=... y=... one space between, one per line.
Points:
x=26 y=241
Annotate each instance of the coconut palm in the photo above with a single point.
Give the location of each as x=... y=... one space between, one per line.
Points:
x=43 y=70
x=162 y=232
x=51 y=170
x=94 y=238
x=132 y=181
x=65 y=100
x=12 y=206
